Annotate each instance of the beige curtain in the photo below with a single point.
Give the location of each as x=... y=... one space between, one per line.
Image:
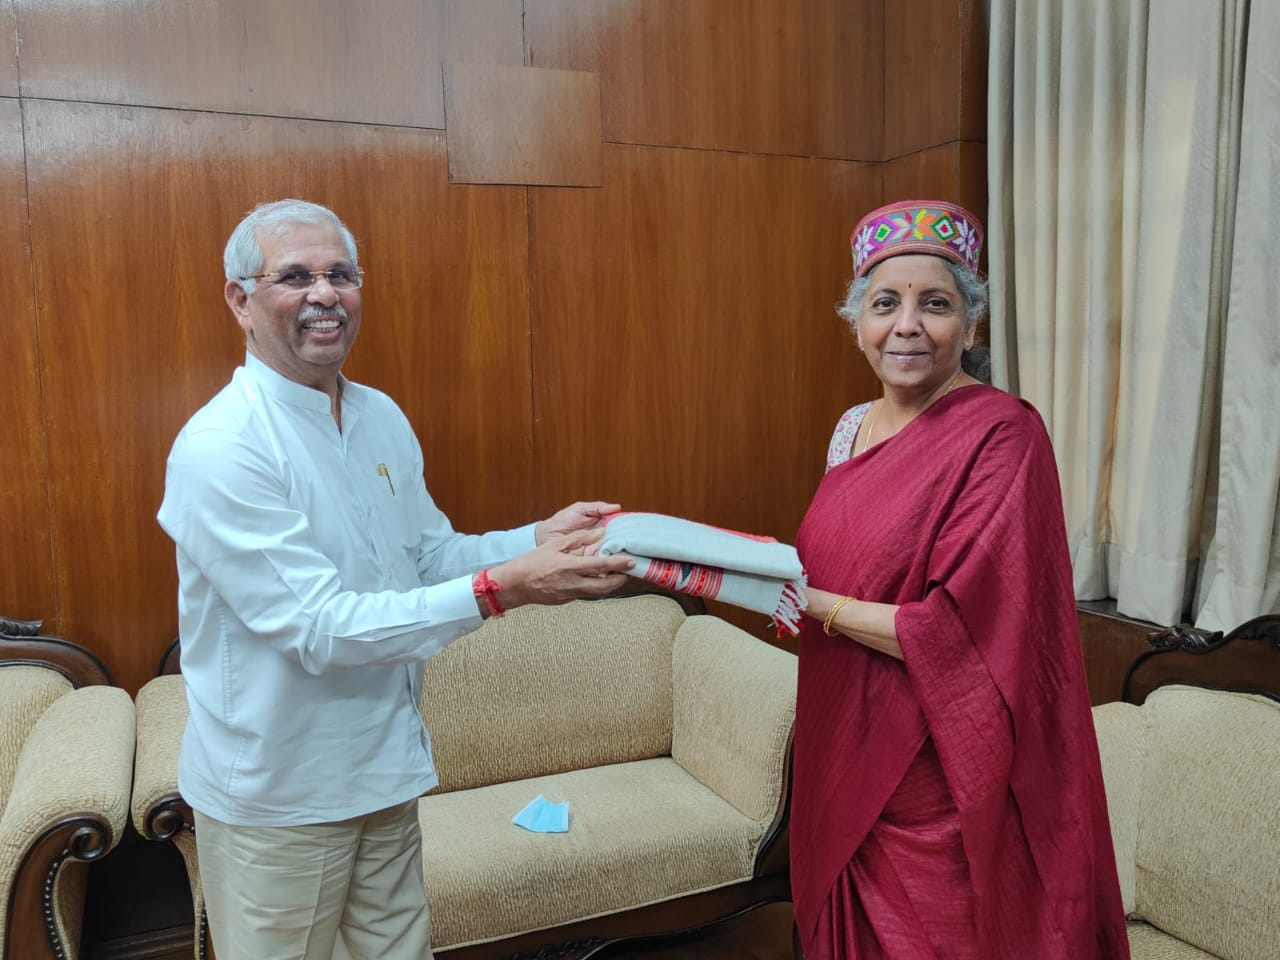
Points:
x=1134 y=157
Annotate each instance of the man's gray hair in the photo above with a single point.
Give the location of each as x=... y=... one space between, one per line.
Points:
x=975 y=361
x=243 y=256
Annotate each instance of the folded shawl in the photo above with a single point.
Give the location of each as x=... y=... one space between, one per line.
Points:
x=754 y=572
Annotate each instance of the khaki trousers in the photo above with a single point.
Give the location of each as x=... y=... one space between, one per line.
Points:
x=287 y=893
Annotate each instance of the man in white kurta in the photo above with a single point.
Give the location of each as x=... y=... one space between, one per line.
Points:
x=316 y=575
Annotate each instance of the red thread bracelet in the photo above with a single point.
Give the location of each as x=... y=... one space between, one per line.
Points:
x=486 y=590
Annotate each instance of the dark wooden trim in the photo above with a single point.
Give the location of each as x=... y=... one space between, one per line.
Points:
x=635 y=587
x=569 y=950
x=21 y=643
x=20 y=628
x=170 y=660
x=168 y=817
x=31 y=932
x=1245 y=660
x=669 y=921
x=173 y=943
x=165 y=819
x=1110 y=643
x=687 y=936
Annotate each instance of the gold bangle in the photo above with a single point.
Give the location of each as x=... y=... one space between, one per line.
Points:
x=831 y=616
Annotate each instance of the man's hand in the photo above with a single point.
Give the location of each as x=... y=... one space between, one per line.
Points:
x=582 y=515
x=557 y=571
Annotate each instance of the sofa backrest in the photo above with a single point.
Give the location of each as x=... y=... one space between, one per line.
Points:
x=1206 y=855
x=544 y=690
x=25 y=693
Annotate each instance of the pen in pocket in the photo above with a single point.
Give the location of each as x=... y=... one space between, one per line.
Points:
x=384 y=472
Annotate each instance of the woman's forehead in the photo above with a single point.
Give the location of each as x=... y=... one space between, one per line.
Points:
x=914 y=270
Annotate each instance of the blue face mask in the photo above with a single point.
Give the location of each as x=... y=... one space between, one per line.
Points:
x=540 y=815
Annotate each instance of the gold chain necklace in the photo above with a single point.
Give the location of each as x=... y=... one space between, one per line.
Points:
x=875 y=408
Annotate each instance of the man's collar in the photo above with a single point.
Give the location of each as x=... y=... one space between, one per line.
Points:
x=282 y=388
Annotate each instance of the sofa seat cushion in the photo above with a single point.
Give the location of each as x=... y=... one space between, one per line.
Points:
x=639 y=833
x=1149 y=943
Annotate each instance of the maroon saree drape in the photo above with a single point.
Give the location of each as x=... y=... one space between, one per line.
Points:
x=950 y=804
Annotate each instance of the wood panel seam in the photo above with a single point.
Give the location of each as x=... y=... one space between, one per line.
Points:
x=731 y=150
x=538 y=492
x=206 y=111
x=57 y=620
x=945 y=143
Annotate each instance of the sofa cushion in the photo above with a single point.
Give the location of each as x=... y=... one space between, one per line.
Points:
x=25 y=694
x=544 y=690
x=1149 y=943
x=487 y=878
x=1207 y=867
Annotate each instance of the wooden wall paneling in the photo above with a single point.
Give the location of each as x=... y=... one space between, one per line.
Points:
x=483 y=31
x=8 y=51
x=955 y=171
x=369 y=61
x=130 y=208
x=925 y=174
x=974 y=37
x=687 y=357
x=757 y=75
x=971 y=180
x=446 y=330
x=923 y=42
x=26 y=564
x=522 y=125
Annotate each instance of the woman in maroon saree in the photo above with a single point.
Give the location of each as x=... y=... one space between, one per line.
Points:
x=948 y=798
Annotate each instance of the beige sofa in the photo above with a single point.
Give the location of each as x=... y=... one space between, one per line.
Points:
x=1193 y=791
x=66 y=764
x=668 y=734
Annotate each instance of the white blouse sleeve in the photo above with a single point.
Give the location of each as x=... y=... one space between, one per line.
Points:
x=841 y=446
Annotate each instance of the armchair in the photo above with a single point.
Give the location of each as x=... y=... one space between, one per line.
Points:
x=66 y=763
x=1192 y=773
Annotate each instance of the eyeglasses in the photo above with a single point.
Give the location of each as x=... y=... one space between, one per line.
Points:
x=340 y=278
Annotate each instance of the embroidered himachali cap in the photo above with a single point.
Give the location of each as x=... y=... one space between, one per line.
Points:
x=916 y=226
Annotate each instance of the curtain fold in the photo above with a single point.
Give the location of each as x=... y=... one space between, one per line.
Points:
x=1241 y=571
x=1123 y=141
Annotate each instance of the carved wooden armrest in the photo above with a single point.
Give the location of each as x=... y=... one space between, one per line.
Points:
x=21 y=642
x=70 y=801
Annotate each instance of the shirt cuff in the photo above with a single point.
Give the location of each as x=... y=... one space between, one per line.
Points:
x=523 y=535
x=454 y=600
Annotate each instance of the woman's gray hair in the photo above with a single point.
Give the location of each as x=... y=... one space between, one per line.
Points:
x=243 y=256
x=975 y=361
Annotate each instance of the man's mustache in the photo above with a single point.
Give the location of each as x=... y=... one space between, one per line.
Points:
x=314 y=311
